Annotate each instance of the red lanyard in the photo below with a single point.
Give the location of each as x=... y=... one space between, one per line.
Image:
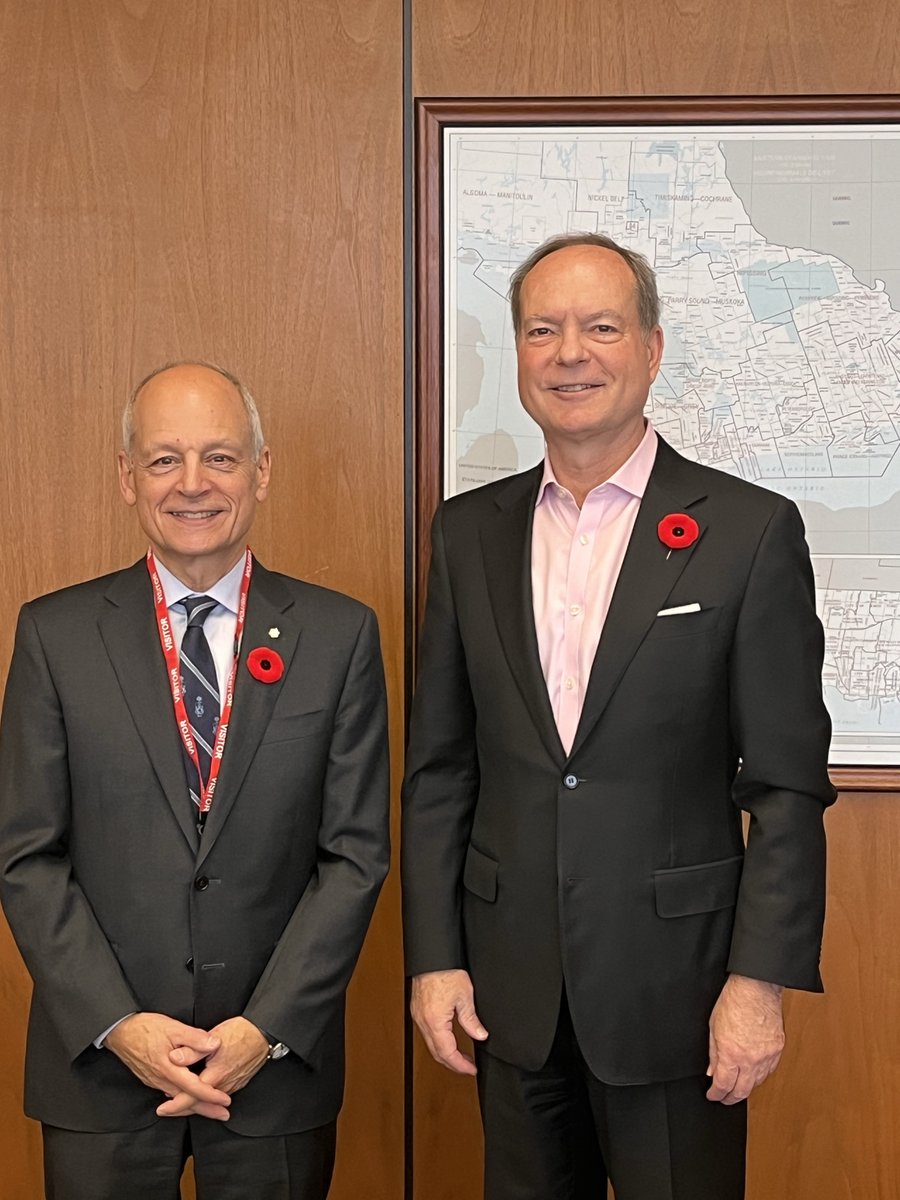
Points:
x=167 y=641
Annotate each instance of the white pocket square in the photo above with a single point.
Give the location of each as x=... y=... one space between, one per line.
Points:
x=682 y=608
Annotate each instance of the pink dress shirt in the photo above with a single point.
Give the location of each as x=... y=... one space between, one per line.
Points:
x=576 y=556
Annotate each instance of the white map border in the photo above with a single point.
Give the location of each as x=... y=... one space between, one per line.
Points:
x=873 y=751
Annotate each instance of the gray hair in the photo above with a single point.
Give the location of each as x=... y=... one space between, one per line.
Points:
x=257 y=441
x=645 y=293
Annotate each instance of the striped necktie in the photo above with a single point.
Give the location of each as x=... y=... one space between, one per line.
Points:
x=200 y=686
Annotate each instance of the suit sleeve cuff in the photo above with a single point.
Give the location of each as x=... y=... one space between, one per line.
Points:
x=98 y=1042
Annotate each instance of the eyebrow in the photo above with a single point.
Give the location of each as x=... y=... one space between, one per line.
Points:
x=165 y=447
x=601 y=314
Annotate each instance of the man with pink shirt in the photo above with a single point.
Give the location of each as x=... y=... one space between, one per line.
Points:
x=620 y=653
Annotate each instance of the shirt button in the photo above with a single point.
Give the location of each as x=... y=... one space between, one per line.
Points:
x=584 y=539
x=575 y=610
x=571 y=782
x=570 y=683
x=201 y=884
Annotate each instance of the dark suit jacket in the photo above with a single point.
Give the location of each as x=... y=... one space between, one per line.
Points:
x=115 y=902
x=620 y=867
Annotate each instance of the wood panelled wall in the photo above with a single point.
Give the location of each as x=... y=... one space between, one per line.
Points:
x=223 y=179
x=825 y=1127
x=218 y=179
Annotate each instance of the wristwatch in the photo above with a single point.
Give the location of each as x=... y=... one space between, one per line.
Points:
x=277 y=1050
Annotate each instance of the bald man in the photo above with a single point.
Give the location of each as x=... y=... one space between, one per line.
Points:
x=193 y=831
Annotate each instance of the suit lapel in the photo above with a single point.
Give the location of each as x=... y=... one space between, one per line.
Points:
x=129 y=632
x=648 y=574
x=506 y=548
x=269 y=607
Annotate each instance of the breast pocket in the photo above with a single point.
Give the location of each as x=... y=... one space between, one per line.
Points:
x=684 y=624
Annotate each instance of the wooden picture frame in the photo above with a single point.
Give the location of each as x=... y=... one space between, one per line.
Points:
x=433 y=117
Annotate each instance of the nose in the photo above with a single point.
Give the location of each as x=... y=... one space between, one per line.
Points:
x=193 y=481
x=570 y=348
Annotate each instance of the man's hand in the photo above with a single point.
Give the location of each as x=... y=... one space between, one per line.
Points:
x=746 y=1037
x=146 y=1042
x=241 y=1051
x=438 y=997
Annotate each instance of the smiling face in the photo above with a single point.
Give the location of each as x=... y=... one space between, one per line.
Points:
x=585 y=364
x=190 y=473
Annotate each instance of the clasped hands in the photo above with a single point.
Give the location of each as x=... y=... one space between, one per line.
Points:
x=160 y=1051
x=746 y=1031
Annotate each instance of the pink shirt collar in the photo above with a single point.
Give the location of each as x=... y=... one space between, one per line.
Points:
x=631 y=477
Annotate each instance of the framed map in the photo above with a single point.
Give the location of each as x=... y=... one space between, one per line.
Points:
x=773 y=226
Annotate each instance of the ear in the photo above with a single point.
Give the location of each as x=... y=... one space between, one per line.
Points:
x=263 y=473
x=654 y=351
x=126 y=478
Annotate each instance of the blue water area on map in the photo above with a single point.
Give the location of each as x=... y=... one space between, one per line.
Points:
x=860 y=716
x=807 y=281
x=767 y=297
x=671 y=149
x=652 y=191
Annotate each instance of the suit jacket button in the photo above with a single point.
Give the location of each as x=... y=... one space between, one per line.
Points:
x=201 y=884
x=189 y=964
x=571 y=782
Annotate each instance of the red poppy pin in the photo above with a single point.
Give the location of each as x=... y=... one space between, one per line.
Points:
x=265 y=665
x=678 y=531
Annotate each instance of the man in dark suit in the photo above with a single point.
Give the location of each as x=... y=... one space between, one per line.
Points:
x=620 y=652
x=190 y=885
